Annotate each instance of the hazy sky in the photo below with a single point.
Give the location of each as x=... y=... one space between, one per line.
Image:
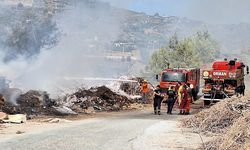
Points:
x=211 y=11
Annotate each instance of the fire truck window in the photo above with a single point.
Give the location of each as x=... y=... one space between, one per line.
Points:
x=173 y=77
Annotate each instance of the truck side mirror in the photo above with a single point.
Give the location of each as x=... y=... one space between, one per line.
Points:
x=232 y=63
x=157 y=77
x=247 y=69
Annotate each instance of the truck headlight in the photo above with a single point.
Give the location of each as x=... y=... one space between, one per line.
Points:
x=232 y=75
x=205 y=73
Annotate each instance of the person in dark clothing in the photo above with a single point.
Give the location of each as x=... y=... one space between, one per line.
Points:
x=243 y=90
x=171 y=99
x=2 y=102
x=158 y=97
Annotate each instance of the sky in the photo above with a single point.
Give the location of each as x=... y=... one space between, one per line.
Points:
x=210 y=11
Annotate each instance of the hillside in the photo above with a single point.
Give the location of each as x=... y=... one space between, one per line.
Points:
x=158 y=28
x=147 y=32
x=126 y=30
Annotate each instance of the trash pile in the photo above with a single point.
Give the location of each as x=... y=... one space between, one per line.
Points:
x=132 y=88
x=95 y=99
x=30 y=103
x=37 y=103
x=228 y=121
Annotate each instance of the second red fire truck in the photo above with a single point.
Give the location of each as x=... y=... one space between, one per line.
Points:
x=170 y=77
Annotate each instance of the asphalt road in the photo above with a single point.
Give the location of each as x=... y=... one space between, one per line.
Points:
x=122 y=131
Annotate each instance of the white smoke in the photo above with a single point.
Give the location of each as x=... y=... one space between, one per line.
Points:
x=87 y=30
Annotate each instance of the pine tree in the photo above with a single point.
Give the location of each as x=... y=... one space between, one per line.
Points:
x=193 y=51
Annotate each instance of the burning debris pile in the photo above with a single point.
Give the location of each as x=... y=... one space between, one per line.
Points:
x=228 y=121
x=97 y=99
x=132 y=88
x=30 y=103
x=34 y=103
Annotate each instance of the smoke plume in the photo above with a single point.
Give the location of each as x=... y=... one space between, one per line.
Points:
x=87 y=28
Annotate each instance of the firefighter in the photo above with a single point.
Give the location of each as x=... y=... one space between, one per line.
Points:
x=240 y=90
x=189 y=99
x=180 y=91
x=171 y=99
x=183 y=100
x=158 y=97
x=177 y=87
x=145 y=91
x=243 y=87
x=2 y=102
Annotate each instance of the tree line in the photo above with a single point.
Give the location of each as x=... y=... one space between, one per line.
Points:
x=25 y=30
x=192 y=51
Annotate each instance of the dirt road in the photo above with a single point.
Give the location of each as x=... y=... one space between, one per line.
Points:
x=126 y=131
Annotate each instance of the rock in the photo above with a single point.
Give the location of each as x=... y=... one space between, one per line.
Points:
x=97 y=108
x=56 y=120
x=19 y=118
x=136 y=106
x=2 y=116
x=20 y=132
x=116 y=107
x=90 y=110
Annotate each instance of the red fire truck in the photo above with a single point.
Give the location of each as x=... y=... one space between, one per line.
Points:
x=226 y=78
x=170 y=77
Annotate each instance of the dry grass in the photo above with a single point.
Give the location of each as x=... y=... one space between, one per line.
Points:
x=236 y=138
x=227 y=121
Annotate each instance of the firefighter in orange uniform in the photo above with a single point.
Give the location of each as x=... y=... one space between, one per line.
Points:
x=189 y=99
x=184 y=97
x=145 y=91
x=180 y=93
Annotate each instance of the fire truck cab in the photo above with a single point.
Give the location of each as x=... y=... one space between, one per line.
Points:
x=170 y=77
x=225 y=79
